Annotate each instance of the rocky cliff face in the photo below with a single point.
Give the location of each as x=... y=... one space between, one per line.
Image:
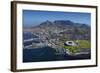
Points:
x=68 y=29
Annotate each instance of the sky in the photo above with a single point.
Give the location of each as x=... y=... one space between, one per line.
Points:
x=34 y=17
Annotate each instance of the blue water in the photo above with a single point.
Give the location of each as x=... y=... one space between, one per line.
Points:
x=47 y=53
x=27 y=35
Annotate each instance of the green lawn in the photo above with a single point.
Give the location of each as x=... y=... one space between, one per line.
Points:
x=72 y=49
x=81 y=45
x=84 y=44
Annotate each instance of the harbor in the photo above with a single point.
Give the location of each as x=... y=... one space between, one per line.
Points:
x=35 y=50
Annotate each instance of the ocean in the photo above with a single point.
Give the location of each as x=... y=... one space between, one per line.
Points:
x=46 y=53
